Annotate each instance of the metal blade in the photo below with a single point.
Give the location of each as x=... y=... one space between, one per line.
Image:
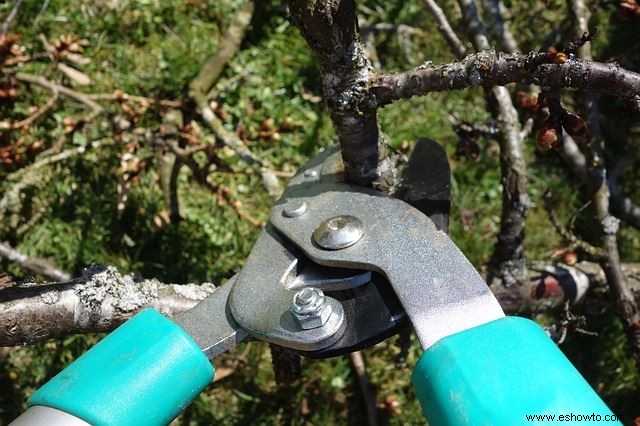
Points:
x=211 y=324
x=438 y=287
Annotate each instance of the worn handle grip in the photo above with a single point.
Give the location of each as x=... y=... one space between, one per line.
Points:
x=143 y=373
x=498 y=374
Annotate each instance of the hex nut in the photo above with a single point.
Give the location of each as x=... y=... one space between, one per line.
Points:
x=310 y=309
x=314 y=320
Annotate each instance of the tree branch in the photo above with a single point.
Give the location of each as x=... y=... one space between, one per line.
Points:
x=209 y=75
x=102 y=298
x=331 y=31
x=96 y=108
x=498 y=27
x=507 y=260
x=445 y=29
x=10 y=17
x=98 y=301
x=625 y=302
x=623 y=205
x=489 y=68
x=33 y=264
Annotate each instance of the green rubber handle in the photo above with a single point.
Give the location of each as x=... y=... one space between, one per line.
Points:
x=143 y=373
x=498 y=374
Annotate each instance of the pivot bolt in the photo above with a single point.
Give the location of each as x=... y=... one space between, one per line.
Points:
x=310 y=309
x=338 y=232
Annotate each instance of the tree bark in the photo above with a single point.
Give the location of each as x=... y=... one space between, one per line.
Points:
x=489 y=68
x=99 y=300
x=34 y=264
x=507 y=260
x=624 y=299
x=331 y=30
x=102 y=298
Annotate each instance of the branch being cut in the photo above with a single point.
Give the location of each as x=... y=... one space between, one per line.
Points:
x=489 y=68
x=98 y=301
x=331 y=30
x=102 y=298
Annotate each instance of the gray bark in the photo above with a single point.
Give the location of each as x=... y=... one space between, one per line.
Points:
x=102 y=298
x=489 y=68
x=99 y=300
x=331 y=29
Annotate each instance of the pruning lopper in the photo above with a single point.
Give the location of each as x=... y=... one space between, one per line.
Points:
x=337 y=268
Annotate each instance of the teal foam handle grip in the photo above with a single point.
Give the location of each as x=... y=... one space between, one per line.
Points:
x=500 y=372
x=143 y=373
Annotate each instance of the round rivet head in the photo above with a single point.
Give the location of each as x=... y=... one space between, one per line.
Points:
x=295 y=208
x=338 y=232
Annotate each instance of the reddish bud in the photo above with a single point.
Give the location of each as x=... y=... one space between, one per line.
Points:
x=575 y=126
x=548 y=136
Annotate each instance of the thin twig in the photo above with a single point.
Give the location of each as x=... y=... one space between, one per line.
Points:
x=207 y=77
x=63 y=90
x=367 y=389
x=121 y=96
x=10 y=17
x=623 y=205
x=39 y=112
x=489 y=68
x=33 y=264
x=507 y=260
x=445 y=29
x=595 y=253
x=498 y=27
x=626 y=304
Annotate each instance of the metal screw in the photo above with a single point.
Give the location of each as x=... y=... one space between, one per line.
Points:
x=295 y=208
x=310 y=309
x=311 y=173
x=338 y=232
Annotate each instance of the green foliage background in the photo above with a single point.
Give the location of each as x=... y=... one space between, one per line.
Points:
x=154 y=48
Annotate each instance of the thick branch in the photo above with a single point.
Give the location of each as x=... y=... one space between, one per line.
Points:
x=331 y=30
x=102 y=298
x=98 y=301
x=490 y=68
